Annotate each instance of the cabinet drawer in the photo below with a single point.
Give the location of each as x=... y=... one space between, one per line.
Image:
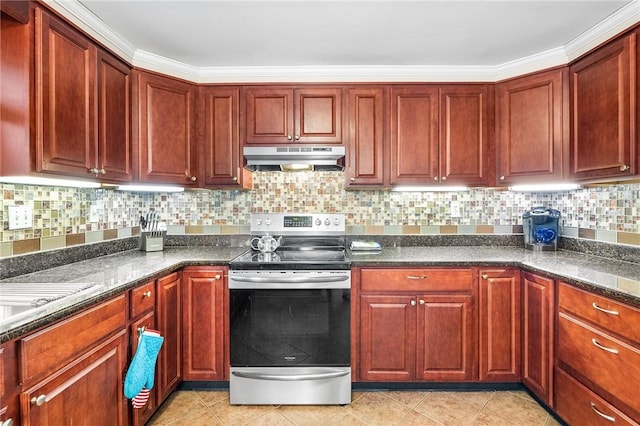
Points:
x=420 y=279
x=143 y=299
x=606 y=361
x=577 y=405
x=51 y=348
x=614 y=316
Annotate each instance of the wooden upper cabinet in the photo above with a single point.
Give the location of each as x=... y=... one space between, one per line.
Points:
x=114 y=118
x=165 y=111
x=221 y=153
x=365 y=144
x=83 y=111
x=533 y=128
x=465 y=156
x=65 y=98
x=16 y=9
x=603 y=111
x=414 y=135
x=280 y=115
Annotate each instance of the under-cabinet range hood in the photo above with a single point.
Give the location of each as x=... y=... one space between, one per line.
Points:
x=292 y=158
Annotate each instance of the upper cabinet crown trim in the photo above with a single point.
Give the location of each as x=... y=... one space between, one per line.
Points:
x=74 y=11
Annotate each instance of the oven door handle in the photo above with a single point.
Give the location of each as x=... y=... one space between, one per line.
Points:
x=280 y=280
x=290 y=377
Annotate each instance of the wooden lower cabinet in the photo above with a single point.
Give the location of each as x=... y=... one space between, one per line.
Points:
x=537 y=335
x=88 y=391
x=139 y=416
x=416 y=336
x=500 y=318
x=169 y=324
x=204 y=323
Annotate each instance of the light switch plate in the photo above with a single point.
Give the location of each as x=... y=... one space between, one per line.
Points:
x=455 y=209
x=20 y=217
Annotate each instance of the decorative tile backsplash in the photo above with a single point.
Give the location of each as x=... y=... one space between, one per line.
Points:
x=62 y=216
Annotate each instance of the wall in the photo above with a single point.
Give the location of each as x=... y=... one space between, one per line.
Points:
x=62 y=215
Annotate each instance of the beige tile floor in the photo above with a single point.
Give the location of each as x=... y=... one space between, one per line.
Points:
x=195 y=408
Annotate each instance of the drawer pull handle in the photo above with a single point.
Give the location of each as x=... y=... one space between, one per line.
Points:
x=606 y=311
x=39 y=400
x=485 y=276
x=604 y=348
x=147 y=294
x=416 y=277
x=413 y=303
x=217 y=277
x=600 y=413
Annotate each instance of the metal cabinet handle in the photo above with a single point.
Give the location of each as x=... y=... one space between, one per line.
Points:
x=485 y=276
x=235 y=178
x=39 y=400
x=193 y=178
x=297 y=137
x=416 y=277
x=600 y=413
x=217 y=277
x=146 y=294
x=103 y=172
x=606 y=311
x=352 y=179
x=413 y=303
x=443 y=178
x=421 y=302
x=435 y=178
x=502 y=178
x=624 y=168
x=289 y=137
x=604 y=348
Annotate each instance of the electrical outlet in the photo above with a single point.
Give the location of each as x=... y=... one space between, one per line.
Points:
x=20 y=217
x=455 y=209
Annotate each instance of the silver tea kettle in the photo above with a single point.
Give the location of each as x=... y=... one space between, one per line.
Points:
x=266 y=243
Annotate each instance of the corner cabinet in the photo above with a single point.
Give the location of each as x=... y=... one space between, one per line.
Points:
x=281 y=115
x=533 y=128
x=441 y=135
x=165 y=129
x=500 y=317
x=82 y=105
x=417 y=325
x=538 y=326
x=205 y=316
x=603 y=112
x=221 y=159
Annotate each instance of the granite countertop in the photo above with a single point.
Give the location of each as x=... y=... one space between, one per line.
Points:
x=112 y=274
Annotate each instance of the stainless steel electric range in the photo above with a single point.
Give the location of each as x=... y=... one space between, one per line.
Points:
x=290 y=304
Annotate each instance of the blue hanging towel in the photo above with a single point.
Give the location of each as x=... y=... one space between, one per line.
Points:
x=141 y=372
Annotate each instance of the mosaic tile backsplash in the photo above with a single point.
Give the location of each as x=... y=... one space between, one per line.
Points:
x=67 y=216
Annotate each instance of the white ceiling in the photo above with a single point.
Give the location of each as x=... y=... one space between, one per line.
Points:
x=214 y=37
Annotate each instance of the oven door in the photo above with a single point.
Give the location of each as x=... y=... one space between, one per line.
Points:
x=290 y=319
x=290 y=337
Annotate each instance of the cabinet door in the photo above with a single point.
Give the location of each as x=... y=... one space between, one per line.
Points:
x=414 y=135
x=169 y=324
x=500 y=317
x=269 y=115
x=204 y=307
x=464 y=135
x=88 y=392
x=114 y=119
x=318 y=115
x=387 y=338
x=603 y=112
x=65 y=98
x=446 y=338
x=222 y=156
x=533 y=127
x=166 y=129
x=139 y=416
x=537 y=337
x=366 y=149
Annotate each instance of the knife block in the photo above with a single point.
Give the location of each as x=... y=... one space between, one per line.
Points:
x=152 y=240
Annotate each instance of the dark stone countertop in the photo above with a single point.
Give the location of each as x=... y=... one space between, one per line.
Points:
x=115 y=273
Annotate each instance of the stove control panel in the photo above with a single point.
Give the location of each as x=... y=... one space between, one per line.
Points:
x=298 y=224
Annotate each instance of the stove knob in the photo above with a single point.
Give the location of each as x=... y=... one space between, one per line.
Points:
x=318 y=222
x=267 y=221
x=327 y=222
x=258 y=221
x=336 y=221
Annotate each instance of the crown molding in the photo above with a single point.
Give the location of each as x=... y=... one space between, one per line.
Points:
x=616 y=23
